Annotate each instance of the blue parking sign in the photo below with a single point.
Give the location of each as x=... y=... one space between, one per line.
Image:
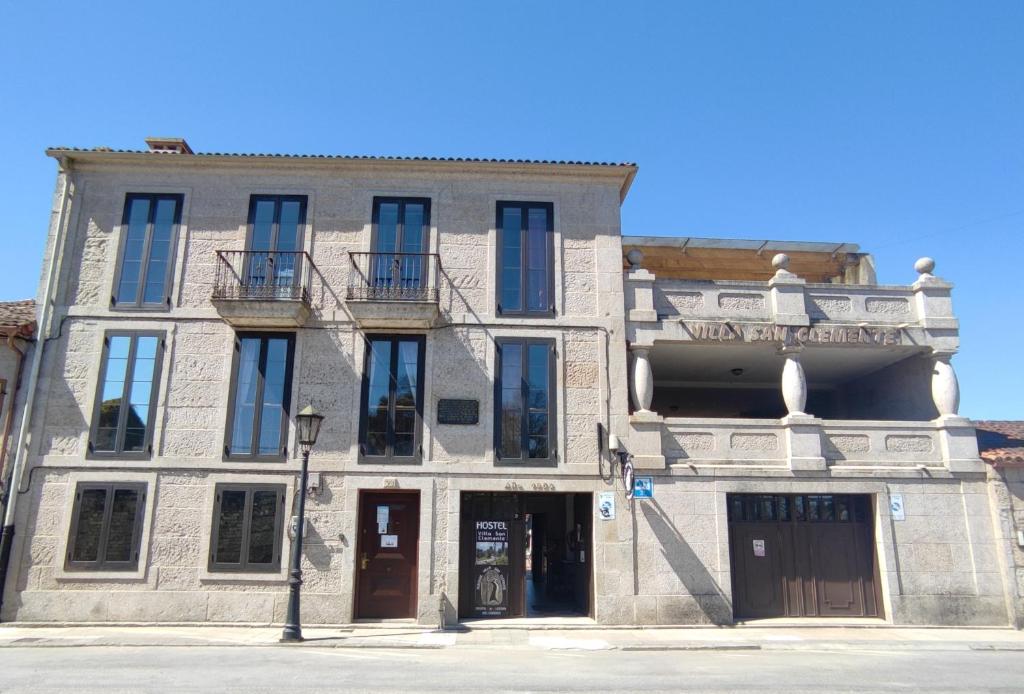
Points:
x=643 y=488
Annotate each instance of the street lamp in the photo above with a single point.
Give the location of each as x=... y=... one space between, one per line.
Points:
x=307 y=425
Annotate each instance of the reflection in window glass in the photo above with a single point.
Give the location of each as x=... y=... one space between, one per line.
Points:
x=229 y=529
x=260 y=406
x=147 y=252
x=525 y=257
x=391 y=399
x=524 y=393
x=127 y=394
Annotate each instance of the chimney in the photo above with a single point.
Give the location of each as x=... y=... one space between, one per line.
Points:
x=168 y=145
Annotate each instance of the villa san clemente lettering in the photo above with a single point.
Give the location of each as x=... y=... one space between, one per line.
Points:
x=789 y=335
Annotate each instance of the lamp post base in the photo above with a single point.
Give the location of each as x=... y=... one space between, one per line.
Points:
x=292 y=634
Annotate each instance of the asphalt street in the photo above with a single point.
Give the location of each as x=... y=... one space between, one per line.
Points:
x=313 y=669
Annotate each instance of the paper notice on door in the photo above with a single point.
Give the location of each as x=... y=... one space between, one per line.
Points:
x=758 y=548
x=383 y=512
x=389 y=541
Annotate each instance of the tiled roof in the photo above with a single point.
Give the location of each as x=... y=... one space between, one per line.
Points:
x=18 y=314
x=1001 y=443
x=350 y=157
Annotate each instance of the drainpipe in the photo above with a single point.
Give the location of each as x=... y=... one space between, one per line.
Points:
x=19 y=356
x=44 y=310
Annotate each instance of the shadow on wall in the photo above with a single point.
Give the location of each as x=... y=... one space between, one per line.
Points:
x=459 y=371
x=328 y=381
x=711 y=600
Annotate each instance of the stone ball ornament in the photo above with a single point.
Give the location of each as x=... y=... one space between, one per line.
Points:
x=925 y=265
x=780 y=261
x=635 y=257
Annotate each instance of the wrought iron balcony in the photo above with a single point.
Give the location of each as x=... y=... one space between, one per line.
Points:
x=394 y=289
x=263 y=288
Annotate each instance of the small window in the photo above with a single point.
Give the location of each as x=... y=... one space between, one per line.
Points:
x=260 y=396
x=126 y=398
x=106 y=527
x=525 y=401
x=247 y=525
x=149 y=233
x=392 y=398
x=525 y=258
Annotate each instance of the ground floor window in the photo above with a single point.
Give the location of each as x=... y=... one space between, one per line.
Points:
x=106 y=527
x=247 y=527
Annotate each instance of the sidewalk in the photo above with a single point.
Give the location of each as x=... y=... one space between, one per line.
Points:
x=818 y=638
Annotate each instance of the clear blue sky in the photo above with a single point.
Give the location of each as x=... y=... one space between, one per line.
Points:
x=895 y=125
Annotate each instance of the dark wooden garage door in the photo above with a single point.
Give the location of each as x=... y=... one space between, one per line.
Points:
x=808 y=555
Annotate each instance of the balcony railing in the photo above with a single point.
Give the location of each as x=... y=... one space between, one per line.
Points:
x=394 y=277
x=263 y=275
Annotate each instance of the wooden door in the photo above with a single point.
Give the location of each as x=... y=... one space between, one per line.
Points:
x=386 y=555
x=802 y=556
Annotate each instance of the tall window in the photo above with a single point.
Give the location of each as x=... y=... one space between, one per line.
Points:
x=275 y=239
x=126 y=398
x=525 y=252
x=525 y=401
x=247 y=524
x=148 y=238
x=106 y=527
x=400 y=228
x=392 y=403
x=260 y=394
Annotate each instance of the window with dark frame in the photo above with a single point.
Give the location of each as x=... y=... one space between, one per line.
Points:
x=390 y=422
x=149 y=232
x=125 y=406
x=526 y=277
x=260 y=396
x=247 y=527
x=524 y=396
x=106 y=527
x=400 y=229
x=274 y=241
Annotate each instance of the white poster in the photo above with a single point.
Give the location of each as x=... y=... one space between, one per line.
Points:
x=389 y=540
x=382 y=519
x=606 y=505
x=758 y=548
x=896 y=507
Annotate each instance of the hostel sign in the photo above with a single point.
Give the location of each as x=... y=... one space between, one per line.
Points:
x=816 y=334
x=490 y=569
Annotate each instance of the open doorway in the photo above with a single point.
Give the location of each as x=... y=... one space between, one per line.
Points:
x=525 y=555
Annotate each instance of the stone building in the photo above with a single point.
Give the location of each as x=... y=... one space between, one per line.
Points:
x=1002 y=448
x=17 y=327
x=490 y=355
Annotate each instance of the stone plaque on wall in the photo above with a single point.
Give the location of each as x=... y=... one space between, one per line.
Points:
x=453 y=411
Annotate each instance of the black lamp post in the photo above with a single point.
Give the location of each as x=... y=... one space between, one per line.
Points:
x=307 y=424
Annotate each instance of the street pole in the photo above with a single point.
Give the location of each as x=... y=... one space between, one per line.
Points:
x=292 y=628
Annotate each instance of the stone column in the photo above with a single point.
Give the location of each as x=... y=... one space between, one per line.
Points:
x=638 y=286
x=945 y=388
x=803 y=431
x=957 y=439
x=794 y=381
x=643 y=379
x=787 y=294
x=645 y=426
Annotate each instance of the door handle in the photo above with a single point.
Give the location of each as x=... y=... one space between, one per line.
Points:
x=364 y=562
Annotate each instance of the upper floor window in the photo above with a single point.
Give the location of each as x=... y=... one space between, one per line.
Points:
x=400 y=242
x=274 y=241
x=392 y=401
x=106 y=527
x=260 y=395
x=148 y=240
x=525 y=258
x=524 y=400
x=126 y=397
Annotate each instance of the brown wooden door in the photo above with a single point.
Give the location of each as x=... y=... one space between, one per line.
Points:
x=386 y=556
x=802 y=556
